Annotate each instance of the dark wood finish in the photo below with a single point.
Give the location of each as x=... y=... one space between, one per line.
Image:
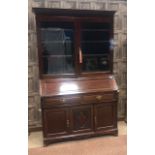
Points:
x=82 y=119
x=76 y=17
x=50 y=87
x=83 y=104
x=71 y=12
x=56 y=122
x=87 y=109
x=104 y=116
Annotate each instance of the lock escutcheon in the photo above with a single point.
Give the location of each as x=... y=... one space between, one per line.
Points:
x=99 y=97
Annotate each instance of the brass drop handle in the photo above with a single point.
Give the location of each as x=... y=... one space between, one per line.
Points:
x=67 y=123
x=99 y=97
x=80 y=56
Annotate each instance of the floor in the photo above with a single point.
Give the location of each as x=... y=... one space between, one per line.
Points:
x=35 y=139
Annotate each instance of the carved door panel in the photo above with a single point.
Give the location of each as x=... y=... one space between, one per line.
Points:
x=81 y=119
x=104 y=116
x=56 y=122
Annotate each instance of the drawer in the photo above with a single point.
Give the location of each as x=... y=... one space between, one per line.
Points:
x=71 y=100
x=64 y=101
x=99 y=98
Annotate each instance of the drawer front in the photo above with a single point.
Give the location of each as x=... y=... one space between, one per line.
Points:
x=49 y=102
x=99 y=98
x=61 y=101
x=52 y=100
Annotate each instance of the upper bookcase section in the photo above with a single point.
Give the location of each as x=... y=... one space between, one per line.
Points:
x=74 y=42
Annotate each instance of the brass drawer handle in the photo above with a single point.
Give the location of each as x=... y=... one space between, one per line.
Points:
x=99 y=97
x=63 y=100
x=80 y=56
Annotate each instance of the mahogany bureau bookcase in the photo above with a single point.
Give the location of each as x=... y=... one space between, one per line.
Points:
x=78 y=91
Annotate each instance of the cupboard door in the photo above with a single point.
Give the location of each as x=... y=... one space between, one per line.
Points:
x=55 y=122
x=82 y=119
x=104 y=116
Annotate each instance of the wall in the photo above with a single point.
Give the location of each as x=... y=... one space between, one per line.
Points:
x=120 y=52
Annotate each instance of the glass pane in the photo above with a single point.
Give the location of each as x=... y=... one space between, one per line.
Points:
x=57 y=65
x=58 y=48
x=95 y=63
x=95 y=43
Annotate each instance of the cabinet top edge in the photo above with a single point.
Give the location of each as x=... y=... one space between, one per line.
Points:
x=72 y=12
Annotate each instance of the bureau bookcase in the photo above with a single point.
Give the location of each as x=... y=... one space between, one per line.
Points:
x=78 y=91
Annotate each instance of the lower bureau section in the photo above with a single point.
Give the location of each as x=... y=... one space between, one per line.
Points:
x=85 y=107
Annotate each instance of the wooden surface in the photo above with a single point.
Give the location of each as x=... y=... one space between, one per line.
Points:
x=78 y=108
x=72 y=12
x=77 y=85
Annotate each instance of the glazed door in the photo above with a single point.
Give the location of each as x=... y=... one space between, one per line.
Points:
x=57 y=48
x=55 y=121
x=82 y=119
x=104 y=116
x=95 y=46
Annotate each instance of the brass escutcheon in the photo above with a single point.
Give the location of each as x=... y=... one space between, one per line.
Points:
x=99 y=97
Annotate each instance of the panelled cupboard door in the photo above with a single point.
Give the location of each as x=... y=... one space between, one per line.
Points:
x=55 y=122
x=104 y=116
x=82 y=119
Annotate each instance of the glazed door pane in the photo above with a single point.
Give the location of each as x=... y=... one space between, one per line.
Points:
x=95 y=46
x=57 y=41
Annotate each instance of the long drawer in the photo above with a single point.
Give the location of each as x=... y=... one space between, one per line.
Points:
x=69 y=100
